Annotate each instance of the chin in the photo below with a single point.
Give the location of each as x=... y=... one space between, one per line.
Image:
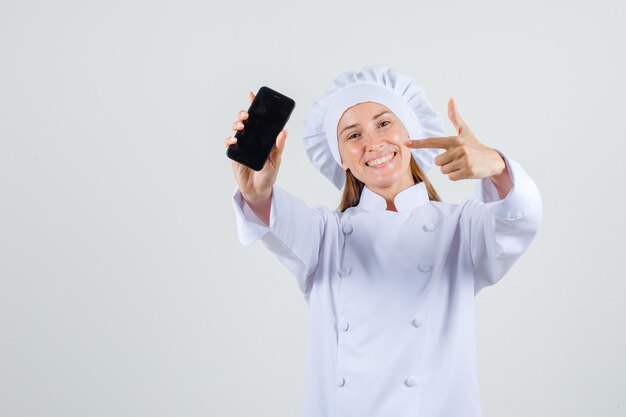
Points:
x=381 y=182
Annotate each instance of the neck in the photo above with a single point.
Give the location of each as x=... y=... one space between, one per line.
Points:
x=390 y=193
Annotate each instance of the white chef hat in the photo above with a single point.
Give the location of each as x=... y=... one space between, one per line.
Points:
x=375 y=83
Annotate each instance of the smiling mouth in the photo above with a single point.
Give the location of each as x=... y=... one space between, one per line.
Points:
x=375 y=163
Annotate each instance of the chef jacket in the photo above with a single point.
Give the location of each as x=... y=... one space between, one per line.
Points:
x=391 y=294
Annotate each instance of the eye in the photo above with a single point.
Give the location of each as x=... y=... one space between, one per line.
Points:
x=351 y=136
x=384 y=121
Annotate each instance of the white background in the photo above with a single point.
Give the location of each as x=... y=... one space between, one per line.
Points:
x=123 y=288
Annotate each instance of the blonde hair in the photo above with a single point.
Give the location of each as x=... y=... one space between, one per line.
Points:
x=353 y=187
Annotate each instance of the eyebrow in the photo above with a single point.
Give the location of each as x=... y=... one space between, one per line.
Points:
x=356 y=124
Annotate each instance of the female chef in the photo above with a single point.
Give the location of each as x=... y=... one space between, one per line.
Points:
x=391 y=276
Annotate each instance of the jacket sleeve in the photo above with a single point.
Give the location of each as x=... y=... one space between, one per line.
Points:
x=294 y=234
x=498 y=231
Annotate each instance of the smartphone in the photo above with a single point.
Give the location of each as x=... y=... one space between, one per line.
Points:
x=267 y=116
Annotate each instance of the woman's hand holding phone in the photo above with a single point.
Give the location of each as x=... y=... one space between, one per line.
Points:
x=256 y=186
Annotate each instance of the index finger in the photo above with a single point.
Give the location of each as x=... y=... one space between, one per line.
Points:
x=439 y=143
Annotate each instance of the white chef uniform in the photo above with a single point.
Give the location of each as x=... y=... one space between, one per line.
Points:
x=391 y=294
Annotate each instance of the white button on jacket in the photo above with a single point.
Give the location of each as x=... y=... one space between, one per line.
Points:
x=391 y=294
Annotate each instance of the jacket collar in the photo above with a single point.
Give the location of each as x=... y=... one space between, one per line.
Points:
x=407 y=199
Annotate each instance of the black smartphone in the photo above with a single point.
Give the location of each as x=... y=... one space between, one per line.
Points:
x=267 y=116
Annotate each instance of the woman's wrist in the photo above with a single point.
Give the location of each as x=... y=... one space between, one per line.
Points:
x=502 y=180
x=261 y=206
x=257 y=198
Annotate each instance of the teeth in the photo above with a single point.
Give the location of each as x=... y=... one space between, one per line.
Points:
x=379 y=161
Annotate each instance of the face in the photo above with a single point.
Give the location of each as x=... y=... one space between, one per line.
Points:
x=371 y=144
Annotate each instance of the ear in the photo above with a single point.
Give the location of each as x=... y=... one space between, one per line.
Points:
x=343 y=164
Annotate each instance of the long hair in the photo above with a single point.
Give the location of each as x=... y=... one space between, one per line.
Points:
x=353 y=188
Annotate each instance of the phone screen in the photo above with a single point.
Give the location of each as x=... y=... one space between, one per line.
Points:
x=267 y=116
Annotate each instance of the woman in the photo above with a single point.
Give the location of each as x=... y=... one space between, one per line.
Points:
x=391 y=276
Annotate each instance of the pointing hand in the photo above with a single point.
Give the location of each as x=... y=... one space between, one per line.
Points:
x=464 y=157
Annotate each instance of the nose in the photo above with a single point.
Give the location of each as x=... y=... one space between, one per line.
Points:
x=375 y=141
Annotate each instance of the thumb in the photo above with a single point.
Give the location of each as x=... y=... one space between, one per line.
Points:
x=280 y=140
x=455 y=117
x=277 y=151
x=251 y=96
